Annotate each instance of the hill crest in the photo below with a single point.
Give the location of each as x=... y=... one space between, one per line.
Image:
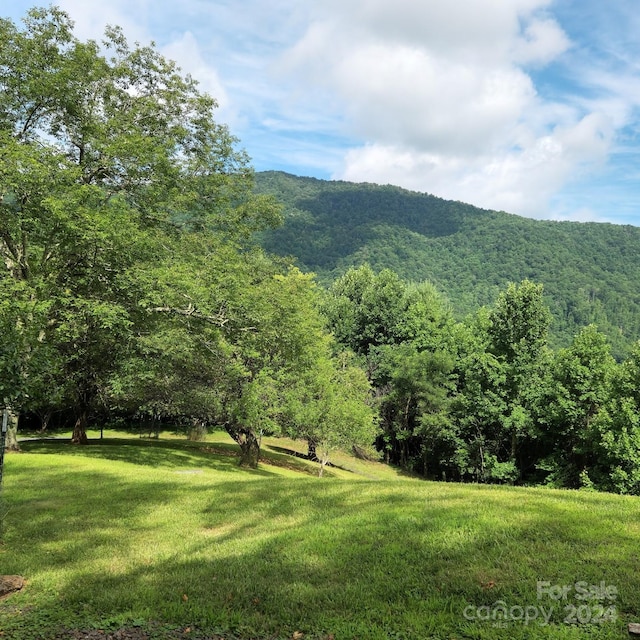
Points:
x=590 y=270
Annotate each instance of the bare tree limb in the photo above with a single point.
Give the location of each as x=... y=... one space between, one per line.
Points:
x=191 y=312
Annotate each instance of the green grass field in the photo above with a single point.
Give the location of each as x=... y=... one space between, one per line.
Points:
x=169 y=534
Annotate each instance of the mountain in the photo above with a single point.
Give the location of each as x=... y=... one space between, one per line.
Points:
x=591 y=271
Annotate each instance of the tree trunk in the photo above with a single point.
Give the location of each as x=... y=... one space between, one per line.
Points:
x=323 y=458
x=79 y=435
x=250 y=452
x=45 y=418
x=11 y=442
x=249 y=444
x=311 y=450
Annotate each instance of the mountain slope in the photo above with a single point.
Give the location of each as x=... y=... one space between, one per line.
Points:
x=591 y=271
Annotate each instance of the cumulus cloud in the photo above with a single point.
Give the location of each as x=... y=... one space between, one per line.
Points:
x=521 y=180
x=444 y=98
x=542 y=41
x=91 y=18
x=186 y=52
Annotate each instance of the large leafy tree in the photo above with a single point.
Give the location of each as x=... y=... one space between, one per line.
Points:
x=278 y=342
x=613 y=427
x=365 y=309
x=402 y=333
x=477 y=440
x=229 y=334
x=368 y=311
x=330 y=407
x=579 y=386
x=502 y=359
x=415 y=408
x=518 y=331
x=105 y=150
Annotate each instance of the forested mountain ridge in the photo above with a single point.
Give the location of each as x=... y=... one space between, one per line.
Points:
x=590 y=271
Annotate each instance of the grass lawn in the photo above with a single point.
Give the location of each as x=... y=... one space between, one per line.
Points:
x=168 y=534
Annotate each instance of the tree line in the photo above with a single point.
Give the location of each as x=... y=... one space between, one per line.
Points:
x=133 y=286
x=487 y=399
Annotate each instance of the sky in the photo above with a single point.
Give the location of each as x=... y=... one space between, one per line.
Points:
x=525 y=106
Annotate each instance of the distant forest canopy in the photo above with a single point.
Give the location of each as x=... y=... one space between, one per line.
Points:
x=589 y=271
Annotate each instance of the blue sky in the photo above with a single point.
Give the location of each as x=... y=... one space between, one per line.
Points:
x=527 y=106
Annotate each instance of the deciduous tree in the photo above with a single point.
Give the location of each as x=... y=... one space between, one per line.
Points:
x=103 y=150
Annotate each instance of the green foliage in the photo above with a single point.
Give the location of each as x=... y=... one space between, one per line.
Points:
x=512 y=409
x=113 y=174
x=519 y=323
x=578 y=388
x=329 y=406
x=282 y=347
x=615 y=431
x=366 y=310
x=415 y=409
x=400 y=332
x=132 y=284
x=478 y=406
x=589 y=270
x=486 y=400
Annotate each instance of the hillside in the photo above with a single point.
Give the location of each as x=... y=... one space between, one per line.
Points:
x=166 y=539
x=590 y=270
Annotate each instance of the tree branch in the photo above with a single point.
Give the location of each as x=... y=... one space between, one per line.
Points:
x=218 y=319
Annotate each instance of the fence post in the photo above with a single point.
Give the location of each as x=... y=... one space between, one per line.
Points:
x=3 y=439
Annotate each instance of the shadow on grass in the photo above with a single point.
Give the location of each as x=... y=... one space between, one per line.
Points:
x=314 y=466
x=359 y=560
x=174 y=453
x=150 y=453
x=363 y=564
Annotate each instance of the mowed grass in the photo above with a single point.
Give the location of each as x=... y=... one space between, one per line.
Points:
x=168 y=534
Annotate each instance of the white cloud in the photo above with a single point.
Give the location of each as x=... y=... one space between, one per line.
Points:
x=456 y=29
x=486 y=101
x=185 y=51
x=442 y=97
x=542 y=41
x=91 y=18
x=521 y=180
x=423 y=102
